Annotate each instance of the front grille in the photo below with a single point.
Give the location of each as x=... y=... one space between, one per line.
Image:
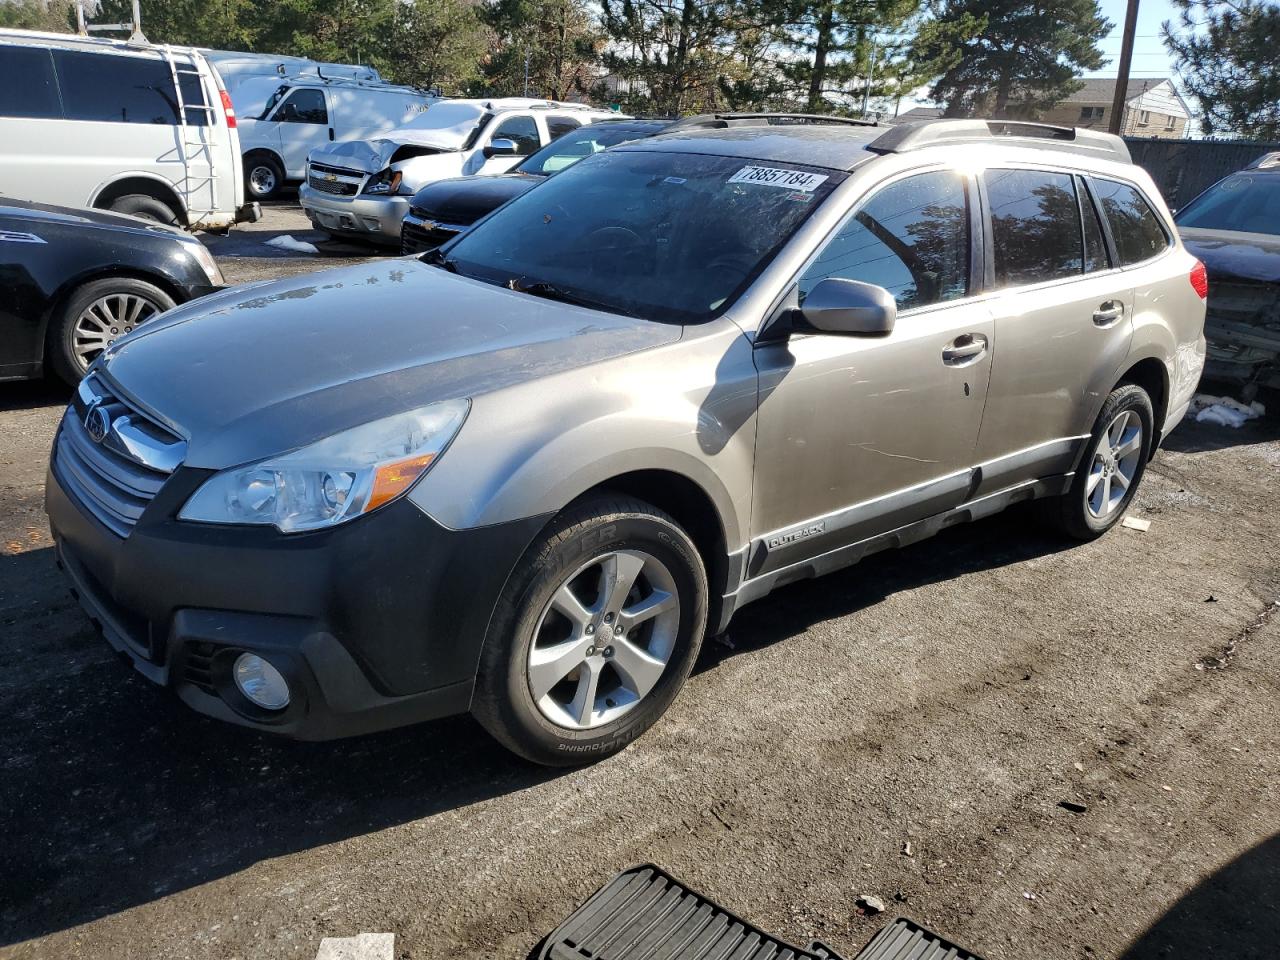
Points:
x=334 y=180
x=419 y=236
x=118 y=469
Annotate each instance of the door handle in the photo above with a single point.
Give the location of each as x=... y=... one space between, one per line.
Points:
x=1108 y=313
x=964 y=349
x=331 y=133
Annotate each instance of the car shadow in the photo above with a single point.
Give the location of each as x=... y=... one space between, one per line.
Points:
x=1231 y=913
x=114 y=794
x=1193 y=437
x=28 y=394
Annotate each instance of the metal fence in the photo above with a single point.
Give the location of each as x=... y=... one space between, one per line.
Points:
x=1182 y=168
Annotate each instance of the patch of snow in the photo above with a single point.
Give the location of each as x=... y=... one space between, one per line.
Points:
x=1224 y=411
x=288 y=243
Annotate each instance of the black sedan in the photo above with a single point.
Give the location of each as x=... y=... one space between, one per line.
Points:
x=74 y=281
x=1234 y=228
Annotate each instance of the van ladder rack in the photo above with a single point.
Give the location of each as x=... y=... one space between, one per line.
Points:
x=204 y=145
x=918 y=134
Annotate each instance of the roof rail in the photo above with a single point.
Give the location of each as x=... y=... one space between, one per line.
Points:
x=917 y=134
x=780 y=118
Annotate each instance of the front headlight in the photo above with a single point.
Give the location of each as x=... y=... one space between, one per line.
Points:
x=203 y=257
x=335 y=479
x=388 y=181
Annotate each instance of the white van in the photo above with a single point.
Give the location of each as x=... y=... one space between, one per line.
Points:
x=131 y=127
x=280 y=127
x=361 y=188
x=236 y=66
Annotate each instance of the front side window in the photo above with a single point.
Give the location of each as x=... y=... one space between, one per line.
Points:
x=27 y=87
x=1035 y=226
x=912 y=238
x=1246 y=202
x=110 y=88
x=1134 y=225
x=671 y=237
x=304 y=106
x=522 y=131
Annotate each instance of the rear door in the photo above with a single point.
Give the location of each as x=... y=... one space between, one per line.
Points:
x=1063 y=321
x=31 y=127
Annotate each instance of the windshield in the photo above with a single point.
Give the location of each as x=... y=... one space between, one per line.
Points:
x=274 y=99
x=1243 y=202
x=672 y=237
x=581 y=143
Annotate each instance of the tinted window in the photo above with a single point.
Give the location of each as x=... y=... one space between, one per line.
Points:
x=912 y=238
x=672 y=237
x=1246 y=202
x=558 y=126
x=583 y=142
x=27 y=87
x=1035 y=226
x=303 y=106
x=1095 y=248
x=1134 y=226
x=105 y=87
x=522 y=130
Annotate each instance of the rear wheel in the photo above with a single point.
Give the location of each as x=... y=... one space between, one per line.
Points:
x=1113 y=464
x=599 y=629
x=263 y=176
x=95 y=316
x=145 y=207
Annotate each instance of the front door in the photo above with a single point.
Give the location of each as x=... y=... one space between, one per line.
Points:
x=303 y=120
x=859 y=435
x=522 y=130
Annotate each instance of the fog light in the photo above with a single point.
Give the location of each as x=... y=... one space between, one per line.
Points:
x=260 y=682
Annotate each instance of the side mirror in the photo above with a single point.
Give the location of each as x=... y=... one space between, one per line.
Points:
x=848 y=307
x=501 y=147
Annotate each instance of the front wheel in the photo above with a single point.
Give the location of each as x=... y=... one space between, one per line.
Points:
x=597 y=632
x=1114 y=461
x=95 y=316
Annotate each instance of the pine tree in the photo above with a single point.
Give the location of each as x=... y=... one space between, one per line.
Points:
x=1229 y=61
x=1009 y=58
x=558 y=40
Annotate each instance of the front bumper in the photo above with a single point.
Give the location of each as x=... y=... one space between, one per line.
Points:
x=375 y=624
x=376 y=219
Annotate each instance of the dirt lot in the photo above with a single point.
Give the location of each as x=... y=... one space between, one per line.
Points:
x=947 y=697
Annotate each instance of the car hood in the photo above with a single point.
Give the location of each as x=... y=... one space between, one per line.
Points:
x=464 y=200
x=1225 y=253
x=260 y=370
x=11 y=208
x=373 y=156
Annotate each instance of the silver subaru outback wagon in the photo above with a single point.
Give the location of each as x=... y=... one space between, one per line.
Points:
x=525 y=475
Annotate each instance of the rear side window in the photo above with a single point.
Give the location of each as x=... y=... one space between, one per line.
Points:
x=557 y=127
x=1095 y=248
x=114 y=89
x=912 y=238
x=1035 y=226
x=1134 y=225
x=27 y=87
x=304 y=106
x=522 y=130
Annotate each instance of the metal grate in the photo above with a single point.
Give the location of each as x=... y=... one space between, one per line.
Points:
x=112 y=459
x=334 y=180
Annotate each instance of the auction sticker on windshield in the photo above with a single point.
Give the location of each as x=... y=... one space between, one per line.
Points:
x=776 y=177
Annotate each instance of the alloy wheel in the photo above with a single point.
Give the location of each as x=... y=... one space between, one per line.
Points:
x=604 y=639
x=107 y=319
x=1114 y=464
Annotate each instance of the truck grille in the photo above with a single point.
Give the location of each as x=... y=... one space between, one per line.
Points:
x=334 y=180
x=418 y=235
x=112 y=459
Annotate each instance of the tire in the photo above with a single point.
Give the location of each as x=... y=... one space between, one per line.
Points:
x=1078 y=513
x=82 y=328
x=530 y=641
x=263 y=176
x=147 y=208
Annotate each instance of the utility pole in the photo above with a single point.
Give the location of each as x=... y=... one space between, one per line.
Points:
x=871 y=73
x=1126 y=58
x=526 y=72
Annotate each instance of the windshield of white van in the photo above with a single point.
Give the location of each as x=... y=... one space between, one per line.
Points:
x=671 y=237
x=273 y=100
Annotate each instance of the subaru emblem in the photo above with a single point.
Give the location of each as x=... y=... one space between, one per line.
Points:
x=97 y=421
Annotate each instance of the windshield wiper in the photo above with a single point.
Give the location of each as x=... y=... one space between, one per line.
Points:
x=437 y=259
x=541 y=288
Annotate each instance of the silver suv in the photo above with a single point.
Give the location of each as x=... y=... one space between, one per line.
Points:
x=525 y=475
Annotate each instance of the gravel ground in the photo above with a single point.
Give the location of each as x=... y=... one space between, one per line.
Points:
x=907 y=728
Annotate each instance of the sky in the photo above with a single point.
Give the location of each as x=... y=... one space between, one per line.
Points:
x=1150 y=59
